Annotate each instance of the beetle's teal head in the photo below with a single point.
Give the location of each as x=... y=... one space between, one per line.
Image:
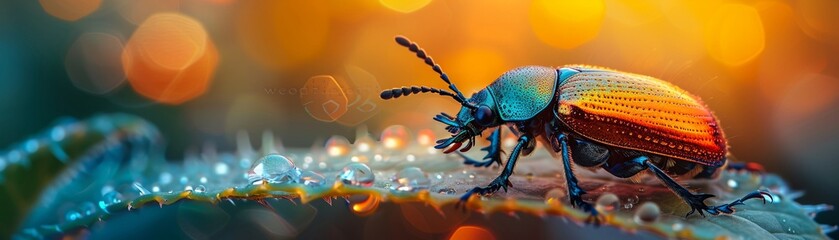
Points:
x=476 y=114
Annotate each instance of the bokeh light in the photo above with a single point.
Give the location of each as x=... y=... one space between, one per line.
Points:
x=362 y=92
x=170 y=58
x=404 y=6
x=471 y=233
x=395 y=137
x=70 y=10
x=283 y=34
x=138 y=11
x=818 y=19
x=734 y=34
x=566 y=24
x=93 y=63
x=632 y=12
x=323 y=98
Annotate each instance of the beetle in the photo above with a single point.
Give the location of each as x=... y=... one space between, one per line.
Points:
x=626 y=124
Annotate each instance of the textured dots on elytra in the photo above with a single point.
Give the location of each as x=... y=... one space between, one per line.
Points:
x=273 y=168
x=647 y=213
x=357 y=174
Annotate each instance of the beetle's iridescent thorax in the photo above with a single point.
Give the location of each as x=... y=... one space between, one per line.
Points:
x=524 y=92
x=640 y=112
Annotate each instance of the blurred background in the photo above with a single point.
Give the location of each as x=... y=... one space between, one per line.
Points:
x=201 y=70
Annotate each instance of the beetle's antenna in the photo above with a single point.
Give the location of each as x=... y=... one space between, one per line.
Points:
x=405 y=91
x=436 y=67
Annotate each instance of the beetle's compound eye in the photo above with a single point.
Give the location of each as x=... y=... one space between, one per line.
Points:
x=483 y=115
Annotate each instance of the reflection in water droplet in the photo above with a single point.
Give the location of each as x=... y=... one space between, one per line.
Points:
x=139 y=187
x=647 y=213
x=447 y=191
x=72 y=216
x=471 y=232
x=337 y=146
x=410 y=179
x=731 y=183
x=607 y=202
x=395 y=137
x=200 y=188
x=87 y=208
x=310 y=178
x=221 y=168
x=273 y=168
x=357 y=174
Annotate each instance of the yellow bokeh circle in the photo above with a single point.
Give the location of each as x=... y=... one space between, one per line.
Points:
x=566 y=24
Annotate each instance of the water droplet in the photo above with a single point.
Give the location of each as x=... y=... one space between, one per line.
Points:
x=410 y=158
x=112 y=197
x=555 y=194
x=200 y=189
x=425 y=137
x=165 y=178
x=607 y=202
x=337 y=146
x=322 y=165
x=410 y=179
x=310 y=178
x=731 y=183
x=139 y=187
x=447 y=191
x=395 y=137
x=357 y=174
x=57 y=133
x=273 y=168
x=221 y=168
x=678 y=227
x=31 y=145
x=364 y=144
x=188 y=188
x=359 y=158
x=87 y=208
x=72 y=216
x=647 y=213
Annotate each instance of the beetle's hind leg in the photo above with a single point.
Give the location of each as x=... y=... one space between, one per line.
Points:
x=697 y=201
x=493 y=152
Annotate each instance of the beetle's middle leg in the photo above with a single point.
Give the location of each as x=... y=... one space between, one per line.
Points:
x=502 y=181
x=493 y=152
x=575 y=193
x=696 y=201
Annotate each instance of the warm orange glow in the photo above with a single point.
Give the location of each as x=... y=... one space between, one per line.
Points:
x=93 y=63
x=475 y=68
x=404 y=6
x=323 y=98
x=566 y=24
x=138 y=11
x=632 y=12
x=425 y=137
x=734 y=34
x=471 y=233
x=366 y=207
x=818 y=19
x=70 y=10
x=158 y=71
x=337 y=146
x=283 y=34
x=395 y=137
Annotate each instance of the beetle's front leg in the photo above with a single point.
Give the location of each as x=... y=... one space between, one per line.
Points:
x=575 y=193
x=493 y=152
x=502 y=181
